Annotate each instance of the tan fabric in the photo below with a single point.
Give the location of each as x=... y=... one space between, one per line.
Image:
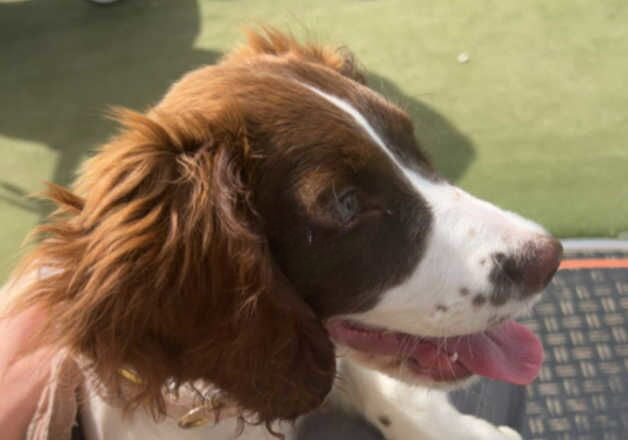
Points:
x=58 y=406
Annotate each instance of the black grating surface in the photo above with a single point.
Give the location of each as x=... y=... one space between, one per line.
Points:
x=582 y=392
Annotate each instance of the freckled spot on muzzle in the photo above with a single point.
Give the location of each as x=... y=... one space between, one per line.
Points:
x=524 y=273
x=479 y=300
x=384 y=420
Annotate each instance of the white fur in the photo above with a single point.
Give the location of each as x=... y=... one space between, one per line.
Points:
x=465 y=233
x=413 y=412
x=101 y=421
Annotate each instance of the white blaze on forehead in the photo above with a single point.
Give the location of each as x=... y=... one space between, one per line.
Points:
x=415 y=179
x=357 y=117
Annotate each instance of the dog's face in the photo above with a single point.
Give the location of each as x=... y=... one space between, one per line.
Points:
x=265 y=207
x=377 y=243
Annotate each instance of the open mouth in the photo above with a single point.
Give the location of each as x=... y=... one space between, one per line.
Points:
x=509 y=352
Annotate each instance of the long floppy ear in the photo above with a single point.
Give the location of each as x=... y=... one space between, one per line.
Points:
x=159 y=265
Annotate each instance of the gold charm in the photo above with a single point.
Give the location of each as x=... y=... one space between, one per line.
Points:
x=195 y=417
x=129 y=375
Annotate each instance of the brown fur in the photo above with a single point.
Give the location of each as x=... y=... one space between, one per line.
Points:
x=163 y=265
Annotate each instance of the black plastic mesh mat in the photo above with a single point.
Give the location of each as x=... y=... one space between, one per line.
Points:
x=582 y=391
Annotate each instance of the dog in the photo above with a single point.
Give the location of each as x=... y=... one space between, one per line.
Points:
x=269 y=240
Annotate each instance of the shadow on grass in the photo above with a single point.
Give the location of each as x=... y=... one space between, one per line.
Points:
x=18 y=198
x=67 y=61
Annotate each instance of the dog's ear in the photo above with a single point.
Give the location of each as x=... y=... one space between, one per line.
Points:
x=270 y=41
x=159 y=264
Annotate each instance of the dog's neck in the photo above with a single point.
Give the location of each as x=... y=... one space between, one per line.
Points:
x=101 y=421
x=190 y=415
x=192 y=404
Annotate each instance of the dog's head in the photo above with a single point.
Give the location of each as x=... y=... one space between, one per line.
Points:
x=269 y=204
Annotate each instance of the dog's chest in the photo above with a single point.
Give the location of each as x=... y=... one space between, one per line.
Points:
x=101 y=421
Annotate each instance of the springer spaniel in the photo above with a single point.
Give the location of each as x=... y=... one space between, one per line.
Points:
x=269 y=240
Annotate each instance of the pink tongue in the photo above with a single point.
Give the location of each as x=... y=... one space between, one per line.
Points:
x=510 y=352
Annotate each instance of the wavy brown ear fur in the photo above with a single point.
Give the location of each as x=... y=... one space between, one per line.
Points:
x=159 y=265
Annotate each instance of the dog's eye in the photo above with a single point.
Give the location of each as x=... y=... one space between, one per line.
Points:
x=347 y=205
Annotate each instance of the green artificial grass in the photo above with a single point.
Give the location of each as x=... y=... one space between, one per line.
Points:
x=535 y=121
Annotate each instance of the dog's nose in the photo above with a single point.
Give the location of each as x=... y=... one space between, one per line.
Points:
x=537 y=265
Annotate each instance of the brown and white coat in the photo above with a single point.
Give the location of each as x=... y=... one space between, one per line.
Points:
x=269 y=213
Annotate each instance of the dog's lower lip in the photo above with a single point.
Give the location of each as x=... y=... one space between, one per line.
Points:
x=438 y=364
x=509 y=352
